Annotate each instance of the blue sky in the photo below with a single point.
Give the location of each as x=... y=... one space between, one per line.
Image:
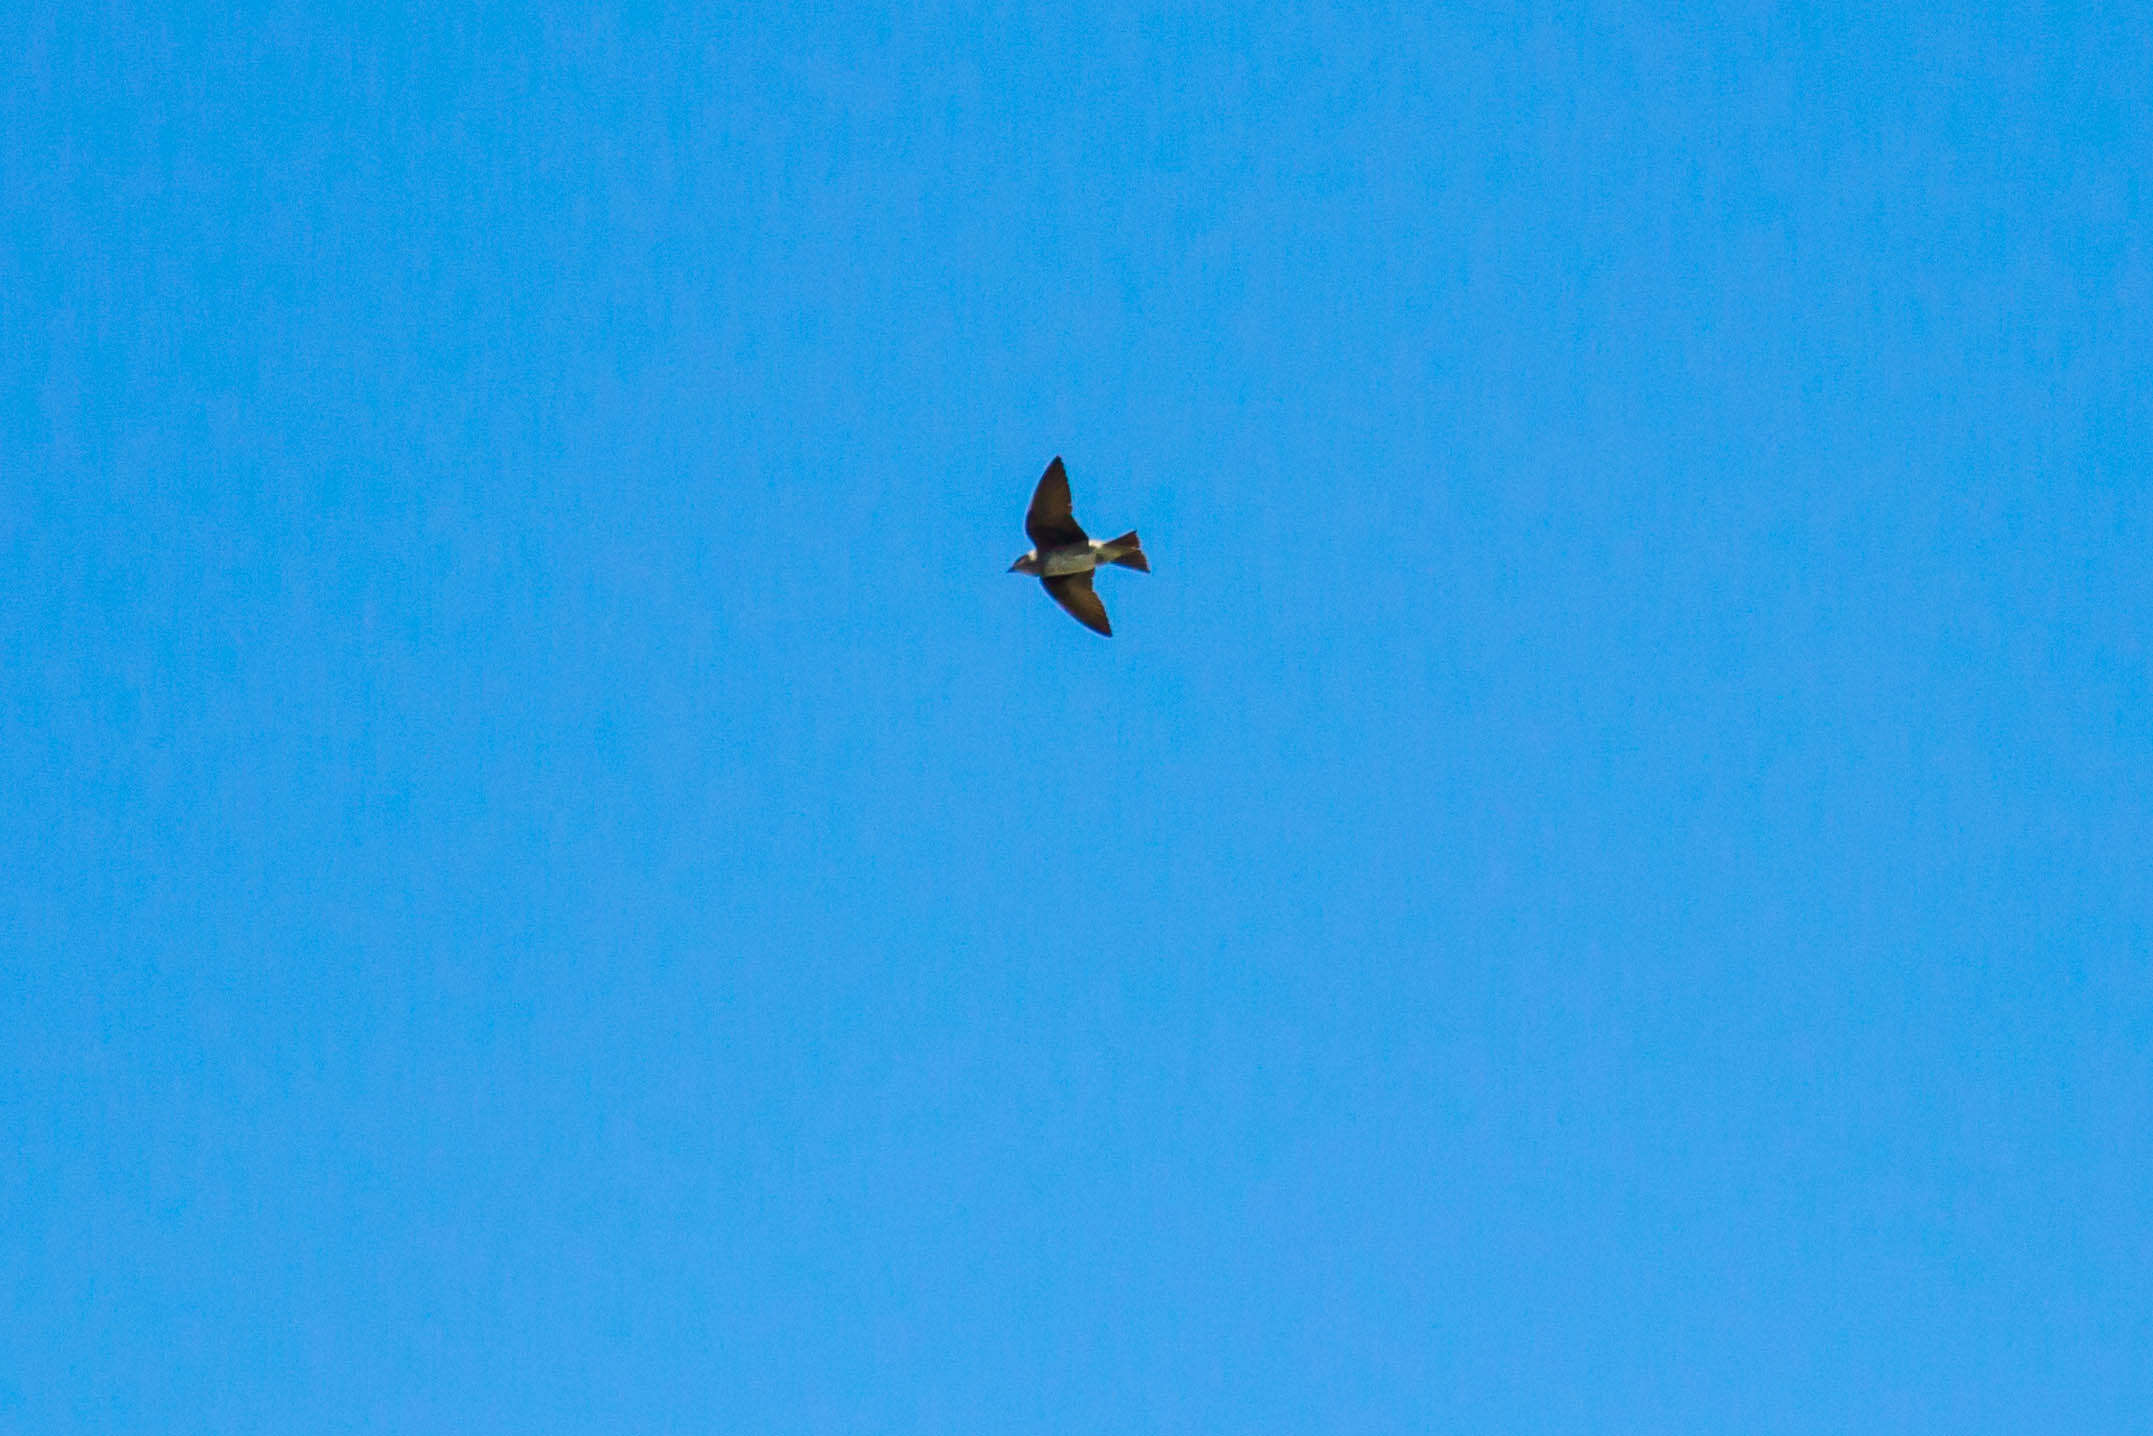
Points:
x=553 y=882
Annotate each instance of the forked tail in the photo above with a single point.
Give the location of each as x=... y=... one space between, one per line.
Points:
x=1128 y=551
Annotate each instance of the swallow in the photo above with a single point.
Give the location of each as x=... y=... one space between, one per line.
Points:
x=1063 y=556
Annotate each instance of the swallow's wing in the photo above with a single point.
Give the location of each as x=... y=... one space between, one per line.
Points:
x=1073 y=591
x=1049 y=523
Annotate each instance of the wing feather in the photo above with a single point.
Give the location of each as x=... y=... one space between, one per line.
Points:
x=1073 y=591
x=1049 y=522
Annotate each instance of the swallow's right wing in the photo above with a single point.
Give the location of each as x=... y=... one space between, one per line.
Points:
x=1073 y=591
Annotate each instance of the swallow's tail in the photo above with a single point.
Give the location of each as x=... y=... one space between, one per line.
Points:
x=1128 y=551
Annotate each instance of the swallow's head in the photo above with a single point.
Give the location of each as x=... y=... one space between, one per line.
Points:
x=1027 y=562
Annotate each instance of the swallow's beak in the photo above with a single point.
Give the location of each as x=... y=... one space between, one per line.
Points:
x=1018 y=565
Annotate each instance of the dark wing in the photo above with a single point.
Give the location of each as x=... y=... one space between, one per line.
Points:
x=1073 y=592
x=1049 y=523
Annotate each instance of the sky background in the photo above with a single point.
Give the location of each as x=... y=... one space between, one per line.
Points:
x=550 y=881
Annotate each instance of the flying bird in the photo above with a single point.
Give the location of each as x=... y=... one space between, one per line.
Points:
x=1064 y=557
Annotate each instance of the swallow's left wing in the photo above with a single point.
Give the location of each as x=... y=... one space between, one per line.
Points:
x=1049 y=522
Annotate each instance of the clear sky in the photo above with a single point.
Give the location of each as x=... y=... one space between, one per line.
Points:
x=551 y=881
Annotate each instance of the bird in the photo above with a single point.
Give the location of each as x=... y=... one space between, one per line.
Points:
x=1064 y=556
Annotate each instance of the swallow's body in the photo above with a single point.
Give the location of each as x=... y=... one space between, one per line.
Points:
x=1064 y=557
x=1092 y=554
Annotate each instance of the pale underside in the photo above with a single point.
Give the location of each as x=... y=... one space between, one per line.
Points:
x=1058 y=561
